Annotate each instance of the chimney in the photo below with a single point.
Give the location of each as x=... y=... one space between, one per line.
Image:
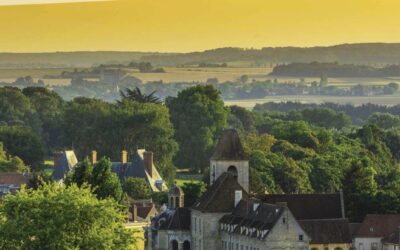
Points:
x=134 y=213
x=124 y=157
x=148 y=162
x=93 y=157
x=238 y=197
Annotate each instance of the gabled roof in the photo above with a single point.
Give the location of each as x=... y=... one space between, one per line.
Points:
x=309 y=206
x=229 y=147
x=219 y=198
x=136 y=168
x=16 y=179
x=378 y=225
x=177 y=219
x=253 y=215
x=327 y=231
x=63 y=163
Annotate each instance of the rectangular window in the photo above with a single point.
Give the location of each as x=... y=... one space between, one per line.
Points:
x=284 y=220
x=195 y=222
x=300 y=237
x=199 y=225
x=241 y=247
x=361 y=246
x=237 y=246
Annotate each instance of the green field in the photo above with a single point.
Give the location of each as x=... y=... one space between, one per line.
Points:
x=191 y=74
x=354 y=100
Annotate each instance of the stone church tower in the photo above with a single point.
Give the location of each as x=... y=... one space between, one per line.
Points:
x=229 y=157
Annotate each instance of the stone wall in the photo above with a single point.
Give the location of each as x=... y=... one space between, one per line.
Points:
x=205 y=230
x=284 y=235
x=217 y=168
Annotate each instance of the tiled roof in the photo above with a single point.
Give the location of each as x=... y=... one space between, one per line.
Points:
x=327 y=231
x=254 y=218
x=392 y=238
x=16 y=179
x=378 y=225
x=229 y=147
x=309 y=206
x=219 y=198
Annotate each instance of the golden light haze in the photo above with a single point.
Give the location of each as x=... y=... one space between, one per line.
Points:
x=191 y=25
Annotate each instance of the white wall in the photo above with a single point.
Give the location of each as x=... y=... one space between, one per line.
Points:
x=367 y=243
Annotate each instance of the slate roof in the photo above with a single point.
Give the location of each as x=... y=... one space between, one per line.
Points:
x=177 y=219
x=63 y=163
x=309 y=206
x=262 y=218
x=136 y=168
x=229 y=147
x=378 y=225
x=219 y=198
x=331 y=231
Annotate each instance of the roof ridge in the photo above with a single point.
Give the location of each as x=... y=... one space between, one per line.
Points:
x=219 y=184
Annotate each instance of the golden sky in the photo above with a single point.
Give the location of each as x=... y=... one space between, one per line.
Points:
x=188 y=25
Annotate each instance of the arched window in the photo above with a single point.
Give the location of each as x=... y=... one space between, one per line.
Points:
x=174 y=245
x=186 y=245
x=233 y=170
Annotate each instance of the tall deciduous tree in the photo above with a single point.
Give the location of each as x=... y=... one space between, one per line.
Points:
x=21 y=141
x=105 y=182
x=50 y=107
x=109 y=128
x=59 y=217
x=137 y=188
x=82 y=173
x=198 y=115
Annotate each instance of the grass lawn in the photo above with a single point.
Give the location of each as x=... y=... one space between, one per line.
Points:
x=180 y=182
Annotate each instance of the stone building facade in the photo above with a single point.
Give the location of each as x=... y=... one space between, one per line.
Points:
x=253 y=226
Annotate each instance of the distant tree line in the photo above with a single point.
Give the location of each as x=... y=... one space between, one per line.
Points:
x=358 y=114
x=242 y=88
x=317 y=69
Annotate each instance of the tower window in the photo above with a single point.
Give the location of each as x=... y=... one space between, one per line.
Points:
x=233 y=171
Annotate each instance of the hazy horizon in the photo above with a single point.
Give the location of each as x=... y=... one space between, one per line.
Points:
x=183 y=26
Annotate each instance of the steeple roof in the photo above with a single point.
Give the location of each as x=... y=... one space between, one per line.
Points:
x=229 y=147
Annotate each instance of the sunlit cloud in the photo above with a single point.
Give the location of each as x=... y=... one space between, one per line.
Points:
x=28 y=2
